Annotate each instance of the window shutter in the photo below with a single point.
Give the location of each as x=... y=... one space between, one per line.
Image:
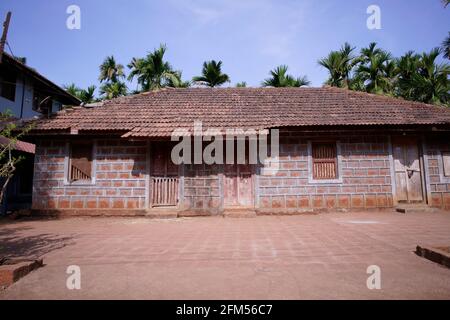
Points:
x=81 y=162
x=324 y=158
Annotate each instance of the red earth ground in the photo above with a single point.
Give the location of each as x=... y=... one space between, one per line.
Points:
x=323 y=256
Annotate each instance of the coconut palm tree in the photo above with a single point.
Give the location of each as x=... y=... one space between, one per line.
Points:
x=84 y=95
x=446 y=47
x=339 y=65
x=110 y=70
x=212 y=75
x=368 y=53
x=375 y=68
x=177 y=82
x=431 y=83
x=152 y=72
x=407 y=66
x=356 y=83
x=72 y=89
x=88 y=95
x=112 y=90
x=280 y=78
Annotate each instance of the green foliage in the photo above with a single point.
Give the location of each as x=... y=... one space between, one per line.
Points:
x=280 y=78
x=85 y=95
x=446 y=47
x=412 y=76
x=375 y=67
x=339 y=65
x=72 y=89
x=88 y=95
x=241 y=84
x=111 y=90
x=152 y=72
x=430 y=83
x=11 y=133
x=110 y=71
x=212 y=75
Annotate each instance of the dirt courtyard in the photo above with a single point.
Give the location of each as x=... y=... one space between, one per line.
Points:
x=323 y=256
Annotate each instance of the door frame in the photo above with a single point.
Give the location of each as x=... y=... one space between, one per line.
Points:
x=149 y=191
x=423 y=170
x=253 y=187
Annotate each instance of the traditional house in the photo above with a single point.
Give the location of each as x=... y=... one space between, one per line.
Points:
x=338 y=149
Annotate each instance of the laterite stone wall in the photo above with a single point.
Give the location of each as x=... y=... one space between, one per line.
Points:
x=119 y=172
x=439 y=184
x=364 y=168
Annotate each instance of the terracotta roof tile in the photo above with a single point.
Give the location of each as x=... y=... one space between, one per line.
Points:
x=159 y=113
x=19 y=145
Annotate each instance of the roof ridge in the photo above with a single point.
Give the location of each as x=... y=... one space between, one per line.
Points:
x=386 y=97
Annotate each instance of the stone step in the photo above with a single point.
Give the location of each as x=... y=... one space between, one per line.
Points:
x=239 y=213
x=415 y=208
x=194 y=213
x=161 y=214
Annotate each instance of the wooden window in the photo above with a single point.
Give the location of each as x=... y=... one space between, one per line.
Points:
x=80 y=166
x=324 y=161
x=8 y=84
x=446 y=163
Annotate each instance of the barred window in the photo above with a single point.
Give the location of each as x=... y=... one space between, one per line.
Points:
x=446 y=163
x=324 y=161
x=80 y=166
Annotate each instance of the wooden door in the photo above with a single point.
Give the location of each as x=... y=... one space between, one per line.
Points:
x=238 y=186
x=164 y=182
x=408 y=173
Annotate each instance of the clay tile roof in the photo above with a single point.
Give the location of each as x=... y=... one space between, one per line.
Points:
x=19 y=145
x=159 y=113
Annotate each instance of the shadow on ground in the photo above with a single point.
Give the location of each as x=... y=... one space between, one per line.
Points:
x=14 y=245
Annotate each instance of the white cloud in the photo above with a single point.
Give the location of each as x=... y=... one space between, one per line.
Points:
x=272 y=27
x=206 y=15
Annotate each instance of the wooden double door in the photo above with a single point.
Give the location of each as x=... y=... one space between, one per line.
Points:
x=408 y=169
x=238 y=185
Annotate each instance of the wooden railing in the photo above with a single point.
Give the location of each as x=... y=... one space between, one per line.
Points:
x=164 y=191
x=76 y=174
x=324 y=161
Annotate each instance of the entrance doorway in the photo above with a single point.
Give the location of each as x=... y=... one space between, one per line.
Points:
x=238 y=186
x=164 y=177
x=408 y=169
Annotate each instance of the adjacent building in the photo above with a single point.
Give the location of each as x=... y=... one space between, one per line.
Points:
x=26 y=94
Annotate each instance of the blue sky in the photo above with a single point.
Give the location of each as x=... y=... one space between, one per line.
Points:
x=250 y=36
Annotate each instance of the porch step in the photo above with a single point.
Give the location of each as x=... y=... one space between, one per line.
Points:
x=161 y=214
x=415 y=208
x=239 y=213
x=194 y=213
